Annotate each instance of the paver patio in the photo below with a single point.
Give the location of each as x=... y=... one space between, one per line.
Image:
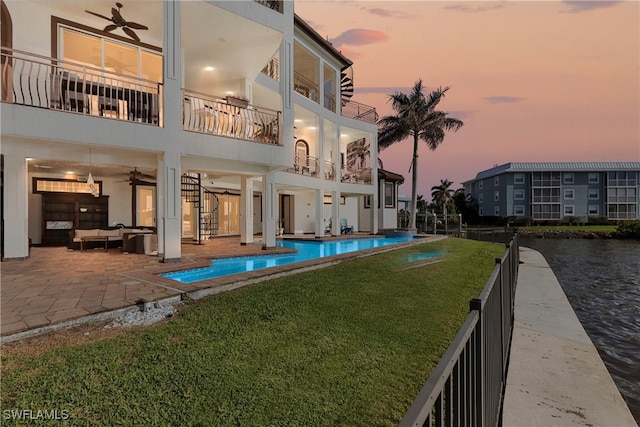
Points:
x=56 y=285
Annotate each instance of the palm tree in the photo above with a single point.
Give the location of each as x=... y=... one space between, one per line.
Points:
x=416 y=117
x=442 y=195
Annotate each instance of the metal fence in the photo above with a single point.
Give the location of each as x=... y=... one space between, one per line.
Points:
x=467 y=386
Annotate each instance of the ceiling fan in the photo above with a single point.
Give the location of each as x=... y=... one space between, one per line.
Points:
x=139 y=178
x=120 y=22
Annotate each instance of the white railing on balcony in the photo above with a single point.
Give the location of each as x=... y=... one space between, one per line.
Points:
x=358 y=111
x=230 y=117
x=272 y=69
x=305 y=87
x=356 y=176
x=329 y=170
x=329 y=101
x=305 y=165
x=38 y=81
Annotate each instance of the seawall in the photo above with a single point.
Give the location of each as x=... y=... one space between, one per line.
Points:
x=556 y=376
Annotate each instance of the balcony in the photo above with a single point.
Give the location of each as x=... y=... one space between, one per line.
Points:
x=230 y=117
x=362 y=112
x=42 y=82
x=305 y=87
x=272 y=69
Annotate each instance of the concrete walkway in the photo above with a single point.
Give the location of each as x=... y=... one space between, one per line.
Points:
x=556 y=376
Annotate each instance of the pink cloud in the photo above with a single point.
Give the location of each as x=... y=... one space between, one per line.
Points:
x=359 y=37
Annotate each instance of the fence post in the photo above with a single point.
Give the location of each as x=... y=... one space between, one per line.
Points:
x=478 y=355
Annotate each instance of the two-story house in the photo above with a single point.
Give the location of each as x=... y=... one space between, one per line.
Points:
x=196 y=118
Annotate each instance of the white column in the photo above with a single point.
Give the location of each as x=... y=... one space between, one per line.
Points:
x=335 y=213
x=246 y=210
x=269 y=205
x=15 y=205
x=319 y=213
x=172 y=206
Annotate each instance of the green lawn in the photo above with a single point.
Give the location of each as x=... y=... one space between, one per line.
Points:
x=350 y=344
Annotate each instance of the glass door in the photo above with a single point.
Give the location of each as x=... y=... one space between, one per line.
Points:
x=146 y=206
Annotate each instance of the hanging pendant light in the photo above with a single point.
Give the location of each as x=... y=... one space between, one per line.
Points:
x=92 y=185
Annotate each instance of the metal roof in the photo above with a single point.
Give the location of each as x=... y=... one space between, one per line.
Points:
x=558 y=167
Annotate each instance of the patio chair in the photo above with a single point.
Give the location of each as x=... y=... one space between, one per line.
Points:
x=344 y=228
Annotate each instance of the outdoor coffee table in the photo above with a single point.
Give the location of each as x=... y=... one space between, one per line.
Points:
x=85 y=239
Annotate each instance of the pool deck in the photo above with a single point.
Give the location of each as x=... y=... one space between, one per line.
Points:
x=57 y=288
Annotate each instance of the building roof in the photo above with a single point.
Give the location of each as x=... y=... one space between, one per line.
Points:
x=390 y=176
x=558 y=167
x=309 y=31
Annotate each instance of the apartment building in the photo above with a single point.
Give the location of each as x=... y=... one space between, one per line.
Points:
x=194 y=118
x=559 y=191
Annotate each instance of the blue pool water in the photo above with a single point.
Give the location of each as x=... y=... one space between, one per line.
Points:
x=306 y=250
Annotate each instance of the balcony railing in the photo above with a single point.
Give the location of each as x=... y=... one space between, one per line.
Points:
x=231 y=118
x=329 y=101
x=305 y=87
x=361 y=112
x=39 y=81
x=305 y=165
x=329 y=170
x=272 y=69
x=272 y=4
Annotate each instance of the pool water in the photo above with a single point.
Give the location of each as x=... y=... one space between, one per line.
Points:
x=306 y=250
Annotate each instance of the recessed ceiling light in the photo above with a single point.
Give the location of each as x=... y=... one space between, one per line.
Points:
x=209 y=68
x=43 y=166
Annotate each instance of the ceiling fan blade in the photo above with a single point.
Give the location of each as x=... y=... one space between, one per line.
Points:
x=131 y=33
x=98 y=15
x=117 y=17
x=136 y=26
x=110 y=28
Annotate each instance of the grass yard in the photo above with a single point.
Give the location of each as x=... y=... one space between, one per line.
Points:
x=350 y=344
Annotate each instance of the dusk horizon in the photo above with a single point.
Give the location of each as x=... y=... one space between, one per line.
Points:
x=552 y=81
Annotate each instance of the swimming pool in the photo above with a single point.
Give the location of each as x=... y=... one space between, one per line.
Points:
x=306 y=250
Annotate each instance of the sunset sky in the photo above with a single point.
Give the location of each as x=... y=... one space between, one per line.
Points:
x=532 y=80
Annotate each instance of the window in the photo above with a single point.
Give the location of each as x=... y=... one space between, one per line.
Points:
x=569 y=210
x=109 y=55
x=594 y=194
x=496 y=181
x=518 y=178
x=545 y=179
x=518 y=210
x=518 y=194
x=480 y=185
x=302 y=153
x=568 y=178
x=594 y=210
x=594 y=178
x=545 y=211
x=569 y=194
x=496 y=210
x=367 y=201
x=389 y=194
x=546 y=195
x=496 y=196
x=480 y=198
x=481 y=211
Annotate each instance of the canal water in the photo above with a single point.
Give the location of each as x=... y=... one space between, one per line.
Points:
x=601 y=279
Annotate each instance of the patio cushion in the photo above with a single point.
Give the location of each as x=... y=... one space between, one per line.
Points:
x=109 y=233
x=87 y=233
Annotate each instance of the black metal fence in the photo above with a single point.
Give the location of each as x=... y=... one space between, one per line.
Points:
x=467 y=386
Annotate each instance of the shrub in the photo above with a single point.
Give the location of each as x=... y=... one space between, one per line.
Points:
x=629 y=229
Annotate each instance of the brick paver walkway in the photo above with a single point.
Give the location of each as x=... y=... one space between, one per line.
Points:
x=56 y=285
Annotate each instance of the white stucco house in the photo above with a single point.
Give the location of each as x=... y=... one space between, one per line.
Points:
x=194 y=118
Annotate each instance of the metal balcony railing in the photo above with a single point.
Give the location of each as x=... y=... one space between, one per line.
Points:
x=230 y=117
x=272 y=69
x=43 y=82
x=329 y=101
x=361 y=112
x=305 y=87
